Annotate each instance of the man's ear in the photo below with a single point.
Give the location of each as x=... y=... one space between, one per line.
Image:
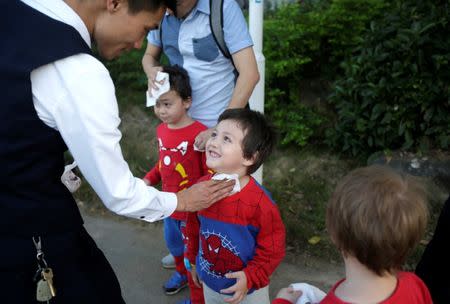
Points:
x=114 y=5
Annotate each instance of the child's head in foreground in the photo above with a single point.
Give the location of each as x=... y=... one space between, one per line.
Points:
x=172 y=106
x=377 y=216
x=240 y=143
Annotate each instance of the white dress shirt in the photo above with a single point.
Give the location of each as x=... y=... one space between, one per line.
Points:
x=76 y=97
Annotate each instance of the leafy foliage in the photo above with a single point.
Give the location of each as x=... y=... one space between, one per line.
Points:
x=308 y=39
x=127 y=70
x=296 y=122
x=395 y=91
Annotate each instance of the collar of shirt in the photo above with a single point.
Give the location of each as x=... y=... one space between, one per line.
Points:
x=202 y=6
x=60 y=11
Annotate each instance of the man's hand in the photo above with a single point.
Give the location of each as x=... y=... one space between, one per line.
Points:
x=289 y=294
x=203 y=195
x=202 y=138
x=239 y=289
x=151 y=75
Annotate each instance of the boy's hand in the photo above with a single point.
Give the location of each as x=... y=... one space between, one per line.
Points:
x=240 y=288
x=195 y=277
x=288 y=293
x=202 y=138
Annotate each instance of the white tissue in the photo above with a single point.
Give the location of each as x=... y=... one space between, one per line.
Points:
x=163 y=84
x=310 y=293
x=69 y=179
x=235 y=177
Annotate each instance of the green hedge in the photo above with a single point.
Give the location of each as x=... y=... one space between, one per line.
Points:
x=395 y=92
x=303 y=40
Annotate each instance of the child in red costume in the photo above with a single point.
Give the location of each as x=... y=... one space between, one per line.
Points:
x=375 y=218
x=237 y=243
x=179 y=166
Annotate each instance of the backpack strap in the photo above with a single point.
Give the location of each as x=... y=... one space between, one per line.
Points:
x=216 y=24
x=160 y=33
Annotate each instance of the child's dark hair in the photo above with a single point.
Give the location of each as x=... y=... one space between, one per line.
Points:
x=179 y=81
x=259 y=136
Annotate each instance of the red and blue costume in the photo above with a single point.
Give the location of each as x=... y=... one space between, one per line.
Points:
x=179 y=166
x=242 y=232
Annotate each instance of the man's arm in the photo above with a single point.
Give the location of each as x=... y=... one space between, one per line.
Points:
x=245 y=63
x=150 y=63
x=239 y=43
x=90 y=131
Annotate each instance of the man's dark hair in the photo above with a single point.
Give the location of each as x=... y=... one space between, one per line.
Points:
x=259 y=136
x=136 y=6
x=179 y=81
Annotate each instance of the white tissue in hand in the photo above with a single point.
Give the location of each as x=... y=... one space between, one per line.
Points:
x=69 y=179
x=235 y=177
x=163 y=84
x=310 y=293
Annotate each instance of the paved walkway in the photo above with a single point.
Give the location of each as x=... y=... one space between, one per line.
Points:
x=134 y=250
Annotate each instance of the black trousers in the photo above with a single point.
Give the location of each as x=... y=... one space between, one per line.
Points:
x=434 y=266
x=82 y=275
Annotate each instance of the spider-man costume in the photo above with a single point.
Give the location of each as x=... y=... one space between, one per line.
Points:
x=243 y=231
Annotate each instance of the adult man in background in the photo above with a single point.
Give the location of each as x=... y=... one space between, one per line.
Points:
x=56 y=94
x=217 y=82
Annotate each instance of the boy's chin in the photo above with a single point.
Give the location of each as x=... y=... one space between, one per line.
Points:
x=211 y=166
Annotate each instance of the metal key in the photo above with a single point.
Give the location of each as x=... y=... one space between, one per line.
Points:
x=47 y=275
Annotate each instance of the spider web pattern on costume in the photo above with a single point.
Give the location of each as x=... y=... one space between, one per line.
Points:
x=204 y=264
x=237 y=211
x=254 y=209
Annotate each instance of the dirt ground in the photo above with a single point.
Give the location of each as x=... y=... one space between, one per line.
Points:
x=134 y=250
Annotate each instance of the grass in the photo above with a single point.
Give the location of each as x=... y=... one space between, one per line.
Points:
x=300 y=180
x=301 y=183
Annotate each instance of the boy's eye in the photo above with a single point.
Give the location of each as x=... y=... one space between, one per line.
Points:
x=213 y=134
x=167 y=105
x=227 y=139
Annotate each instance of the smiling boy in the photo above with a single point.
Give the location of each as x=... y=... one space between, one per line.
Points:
x=236 y=244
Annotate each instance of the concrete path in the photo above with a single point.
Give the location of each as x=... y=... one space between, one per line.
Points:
x=135 y=248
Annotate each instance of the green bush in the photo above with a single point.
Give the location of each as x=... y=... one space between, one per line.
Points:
x=295 y=122
x=126 y=71
x=303 y=40
x=395 y=92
